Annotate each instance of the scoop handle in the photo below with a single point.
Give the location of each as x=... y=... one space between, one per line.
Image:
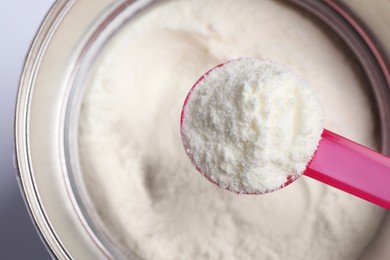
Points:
x=353 y=168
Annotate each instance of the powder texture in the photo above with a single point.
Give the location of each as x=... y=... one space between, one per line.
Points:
x=148 y=196
x=251 y=124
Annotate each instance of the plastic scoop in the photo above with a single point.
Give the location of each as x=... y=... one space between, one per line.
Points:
x=351 y=167
x=343 y=164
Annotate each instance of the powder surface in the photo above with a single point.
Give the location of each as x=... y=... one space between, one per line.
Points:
x=147 y=194
x=251 y=124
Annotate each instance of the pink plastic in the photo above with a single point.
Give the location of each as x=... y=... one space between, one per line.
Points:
x=353 y=168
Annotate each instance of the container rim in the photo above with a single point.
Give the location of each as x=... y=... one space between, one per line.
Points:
x=338 y=17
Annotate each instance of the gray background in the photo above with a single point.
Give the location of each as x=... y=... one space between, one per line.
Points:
x=19 y=21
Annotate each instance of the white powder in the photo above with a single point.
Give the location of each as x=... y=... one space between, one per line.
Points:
x=147 y=193
x=251 y=124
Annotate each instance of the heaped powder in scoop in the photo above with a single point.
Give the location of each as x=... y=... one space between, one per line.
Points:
x=250 y=124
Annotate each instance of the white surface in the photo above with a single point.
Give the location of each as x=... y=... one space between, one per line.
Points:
x=19 y=21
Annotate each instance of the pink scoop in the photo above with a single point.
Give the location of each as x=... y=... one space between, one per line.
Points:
x=343 y=164
x=351 y=167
